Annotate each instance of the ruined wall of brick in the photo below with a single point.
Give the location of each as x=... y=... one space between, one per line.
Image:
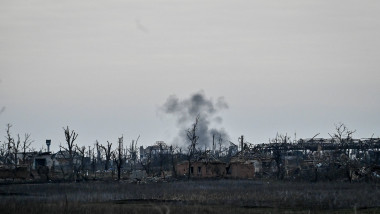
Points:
x=241 y=170
x=215 y=170
x=202 y=169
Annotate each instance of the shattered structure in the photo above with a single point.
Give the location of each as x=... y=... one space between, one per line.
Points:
x=315 y=159
x=307 y=159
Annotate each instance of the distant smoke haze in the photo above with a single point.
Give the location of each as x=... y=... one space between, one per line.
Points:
x=2 y=109
x=186 y=111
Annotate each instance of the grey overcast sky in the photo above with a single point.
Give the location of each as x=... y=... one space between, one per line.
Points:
x=104 y=68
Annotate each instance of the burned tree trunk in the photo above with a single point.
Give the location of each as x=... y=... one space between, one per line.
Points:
x=9 y=143
x=173 y=162
x=193 y=139
x=25 y=146
x=118 y=158
x=108 y=153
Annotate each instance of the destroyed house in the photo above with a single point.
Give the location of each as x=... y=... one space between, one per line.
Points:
x=151 y=152
x=26 y=159
x=240 y=168
x=61 y=160
x=43 y=160
x=216 y=169
x=202 y=169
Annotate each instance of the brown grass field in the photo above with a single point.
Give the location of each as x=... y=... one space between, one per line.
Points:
x=195 y=196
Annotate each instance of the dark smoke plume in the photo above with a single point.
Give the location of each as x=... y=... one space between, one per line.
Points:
x=188 y=109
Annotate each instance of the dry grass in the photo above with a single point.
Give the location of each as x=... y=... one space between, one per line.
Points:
x=199 y=196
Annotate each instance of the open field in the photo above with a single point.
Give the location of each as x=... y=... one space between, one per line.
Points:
x=197 y=196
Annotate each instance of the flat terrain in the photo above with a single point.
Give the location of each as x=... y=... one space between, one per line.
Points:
x=197 y=196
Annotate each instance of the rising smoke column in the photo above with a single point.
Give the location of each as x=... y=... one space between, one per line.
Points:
x=186 y=110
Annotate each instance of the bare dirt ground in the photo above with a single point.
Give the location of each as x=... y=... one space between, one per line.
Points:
x=196 y=196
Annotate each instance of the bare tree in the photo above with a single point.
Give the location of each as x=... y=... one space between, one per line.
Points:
x=162 y=157
x=98 y=152
x=8 y=147
x=3 y=151
x=15 y=148
x=118 y=159
x=108 y=153
x=70 y=147
x=133 y=152
x=82 y=152
x=193 y=139
x=278 y=145
x=342 y=133
x=25 y=146
x=94 y=159
x=173 y=158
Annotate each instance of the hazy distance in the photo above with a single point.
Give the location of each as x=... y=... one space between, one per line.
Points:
x=105 y=68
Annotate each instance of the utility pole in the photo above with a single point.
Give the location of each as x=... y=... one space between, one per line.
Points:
x=241 y=139
x=213 y=143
